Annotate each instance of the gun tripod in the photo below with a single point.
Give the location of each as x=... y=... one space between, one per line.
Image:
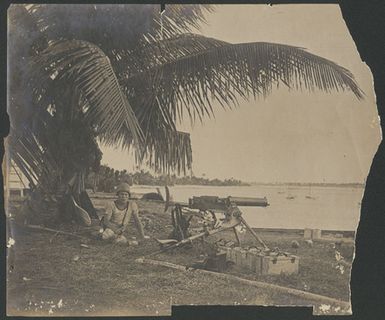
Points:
x=181 y=235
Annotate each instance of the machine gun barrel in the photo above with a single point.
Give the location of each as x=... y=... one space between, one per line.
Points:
x=216 y=203
x=249 y=202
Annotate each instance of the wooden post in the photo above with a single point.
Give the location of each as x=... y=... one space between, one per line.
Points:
x=258 y=284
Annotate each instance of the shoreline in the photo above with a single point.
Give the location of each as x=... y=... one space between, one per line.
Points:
x=345 y=233
x=327 y=185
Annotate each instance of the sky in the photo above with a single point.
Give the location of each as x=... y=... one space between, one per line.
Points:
x=291 y=136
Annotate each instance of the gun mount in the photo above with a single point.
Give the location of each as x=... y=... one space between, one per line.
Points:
x=205 y=207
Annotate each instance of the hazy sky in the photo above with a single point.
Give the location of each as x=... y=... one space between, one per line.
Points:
x=291 y=136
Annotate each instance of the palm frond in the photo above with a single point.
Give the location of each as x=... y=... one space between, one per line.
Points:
x=24 y=41
x=190 y=71
x=24 y=35
x=187 y=16
x=115 y=26
x=165 y=148
x=87 y=69
x=154 y=52
x=36 y=162
x=178 y=19
x=167 y=151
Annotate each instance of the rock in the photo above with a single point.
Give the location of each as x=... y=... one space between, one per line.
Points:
x=147 y=223
x=309 y=242
x=338 y=244
x=133 y=243
x=121 y=240
x=338 y=256
x=295 y=244
x=10 y=242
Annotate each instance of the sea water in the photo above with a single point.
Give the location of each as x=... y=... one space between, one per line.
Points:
x=325 y=208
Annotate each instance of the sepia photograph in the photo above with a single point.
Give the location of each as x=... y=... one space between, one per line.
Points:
x=173 y=155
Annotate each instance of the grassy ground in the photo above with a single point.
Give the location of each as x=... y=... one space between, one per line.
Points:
x=55 y=274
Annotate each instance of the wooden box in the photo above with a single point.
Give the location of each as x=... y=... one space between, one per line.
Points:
x=271 y=265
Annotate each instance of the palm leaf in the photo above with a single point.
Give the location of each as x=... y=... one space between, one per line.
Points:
x=190 y=71
x=167 y=151
x=85 y=68
x=177 y=19
x=115 y=27
x=37 y=163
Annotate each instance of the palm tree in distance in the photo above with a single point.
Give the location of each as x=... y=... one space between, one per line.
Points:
x=124 y=75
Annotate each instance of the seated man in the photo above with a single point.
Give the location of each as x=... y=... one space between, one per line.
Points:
x=118 y=215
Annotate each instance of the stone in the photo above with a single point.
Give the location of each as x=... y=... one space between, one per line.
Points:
x=316 y=234
x=309 y=242
x=307 y=234
x=295 y=244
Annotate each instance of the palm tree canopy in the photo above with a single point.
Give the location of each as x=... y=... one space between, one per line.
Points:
x=131 y=76
x=115 y=27
x=189 y=71
x=103 y=104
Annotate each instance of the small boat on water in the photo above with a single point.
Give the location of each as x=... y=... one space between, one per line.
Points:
x=309 y=196
x=290 y=196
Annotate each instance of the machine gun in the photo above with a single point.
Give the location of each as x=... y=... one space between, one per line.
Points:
x=204 y=207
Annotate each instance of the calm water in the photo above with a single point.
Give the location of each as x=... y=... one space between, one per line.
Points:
x=329 y=208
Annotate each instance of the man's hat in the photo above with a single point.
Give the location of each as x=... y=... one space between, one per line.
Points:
x=123 y=187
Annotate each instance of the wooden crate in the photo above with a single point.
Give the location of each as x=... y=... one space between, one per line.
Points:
x=253 y=261
x=275 y=265
x=240 y=257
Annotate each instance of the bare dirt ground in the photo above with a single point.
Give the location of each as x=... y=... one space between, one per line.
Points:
x=55 y=274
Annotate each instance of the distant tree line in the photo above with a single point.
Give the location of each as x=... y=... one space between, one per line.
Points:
x=192 y=180
x=312 y=184
x=107 y=178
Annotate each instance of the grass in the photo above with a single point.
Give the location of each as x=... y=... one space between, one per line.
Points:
x=54 y=274
x=105 y=279
x=317 y=266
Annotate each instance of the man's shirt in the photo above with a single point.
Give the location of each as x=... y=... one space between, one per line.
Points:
x=122 y=217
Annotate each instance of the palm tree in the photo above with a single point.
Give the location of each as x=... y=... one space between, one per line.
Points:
x=124 y=75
